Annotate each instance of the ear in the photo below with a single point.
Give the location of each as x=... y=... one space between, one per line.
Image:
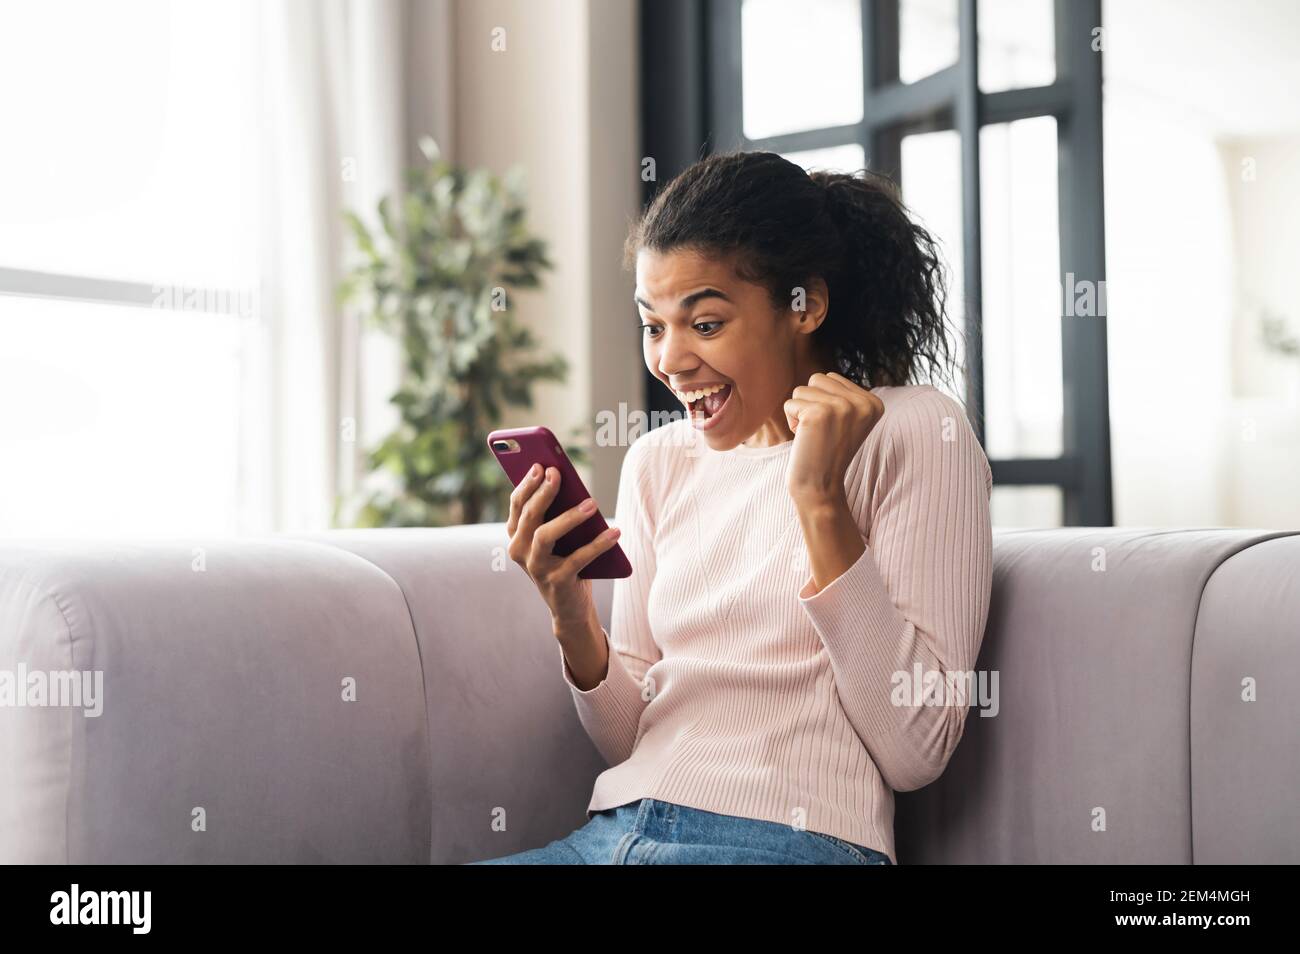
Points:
x=816 y=302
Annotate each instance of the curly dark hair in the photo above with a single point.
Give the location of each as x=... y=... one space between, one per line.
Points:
x=783 y=226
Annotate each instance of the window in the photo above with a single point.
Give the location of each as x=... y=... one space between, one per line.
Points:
x=989 y=116
x=127 y=275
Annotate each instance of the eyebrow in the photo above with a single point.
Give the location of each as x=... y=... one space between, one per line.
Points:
x=689 y=300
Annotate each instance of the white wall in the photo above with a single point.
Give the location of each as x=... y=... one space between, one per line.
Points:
x=1168 y=283
x=1205 y=429
x=562 y=100
x=1265 y=432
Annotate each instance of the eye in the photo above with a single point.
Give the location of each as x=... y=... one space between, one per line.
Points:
x=697 y=325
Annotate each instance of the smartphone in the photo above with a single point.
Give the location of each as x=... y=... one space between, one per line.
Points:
x=516 y=450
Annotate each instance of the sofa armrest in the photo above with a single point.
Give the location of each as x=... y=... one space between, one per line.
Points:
x=224 y=733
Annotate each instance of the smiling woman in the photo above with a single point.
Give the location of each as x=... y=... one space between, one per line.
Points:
x=815 y=525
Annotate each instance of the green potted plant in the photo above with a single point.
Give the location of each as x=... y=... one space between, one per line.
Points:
x=439 y=276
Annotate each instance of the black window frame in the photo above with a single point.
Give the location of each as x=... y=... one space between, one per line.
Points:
x=691 y=106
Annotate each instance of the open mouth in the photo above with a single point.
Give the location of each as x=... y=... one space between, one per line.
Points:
x=705 y=409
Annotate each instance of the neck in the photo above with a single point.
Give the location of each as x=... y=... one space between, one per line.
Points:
x=776 y=430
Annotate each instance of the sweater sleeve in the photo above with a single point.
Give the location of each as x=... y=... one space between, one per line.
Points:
x=918 y=596
x=611 y=711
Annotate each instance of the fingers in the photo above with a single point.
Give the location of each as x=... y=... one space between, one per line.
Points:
x=856 y=395
x=835 y=383
x=814 y=394
x=580 y=557
x=531 y=515
x=520 y=495
x=535 y=506
x=793 y=407
x=528 y=504
x=546 y=535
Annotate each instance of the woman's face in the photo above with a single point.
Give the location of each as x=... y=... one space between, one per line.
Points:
x=702 y=325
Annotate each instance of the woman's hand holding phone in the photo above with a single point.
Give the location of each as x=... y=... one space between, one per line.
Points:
x=531 y=544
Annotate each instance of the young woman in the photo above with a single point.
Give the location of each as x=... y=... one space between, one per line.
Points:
x=810 y=542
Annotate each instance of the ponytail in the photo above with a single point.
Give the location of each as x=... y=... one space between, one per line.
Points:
x=890 y=275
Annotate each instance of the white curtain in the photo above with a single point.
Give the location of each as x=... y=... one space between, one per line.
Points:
x=332 y=134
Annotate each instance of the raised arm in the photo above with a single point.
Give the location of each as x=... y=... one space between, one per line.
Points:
x=919 y=593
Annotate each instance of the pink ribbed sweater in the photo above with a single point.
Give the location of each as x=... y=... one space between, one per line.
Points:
x=733 y=685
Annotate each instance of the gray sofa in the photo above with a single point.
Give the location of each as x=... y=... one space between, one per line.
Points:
x=395 y=696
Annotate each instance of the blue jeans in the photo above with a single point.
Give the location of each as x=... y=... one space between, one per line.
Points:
x=653 y=832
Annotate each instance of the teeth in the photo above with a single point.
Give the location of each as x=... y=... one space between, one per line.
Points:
x=691 y=396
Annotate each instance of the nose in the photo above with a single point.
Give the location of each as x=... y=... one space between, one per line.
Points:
x=674 y=355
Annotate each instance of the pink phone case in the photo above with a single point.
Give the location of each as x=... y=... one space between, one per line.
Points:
x=516 y=450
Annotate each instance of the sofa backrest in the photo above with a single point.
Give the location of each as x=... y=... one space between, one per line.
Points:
x=1122 y=733
x=396 y=696
x=1110 y=645
x=512 y=766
